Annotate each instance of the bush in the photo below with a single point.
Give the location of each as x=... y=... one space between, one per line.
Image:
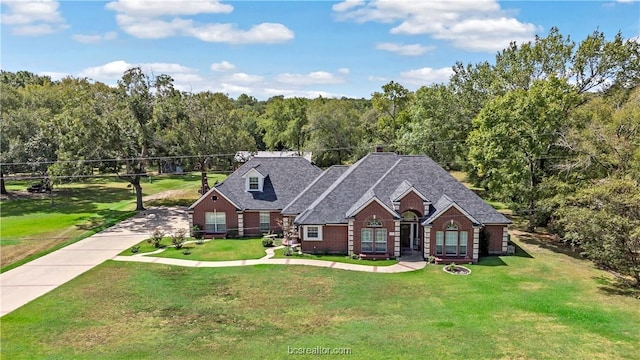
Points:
x=451 y=267
x=177 y=239
x=186 y=252
x=267 y=242
x=199 y=241
x=156 y=238
x=232 y=234
x=196 y=231
x=355 y=256
x=431 y=259
x=135 y=249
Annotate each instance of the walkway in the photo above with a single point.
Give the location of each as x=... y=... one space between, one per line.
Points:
x=34 y=279
x=401 y=266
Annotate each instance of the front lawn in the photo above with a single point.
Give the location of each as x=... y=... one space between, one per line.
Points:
x=214 y=250
x=32 y=225
x=279 y=254
x=539 y=305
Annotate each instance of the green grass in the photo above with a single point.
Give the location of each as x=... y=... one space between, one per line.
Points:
x=542 y=306
x=279 y=254
x=32 y=226
x=214 y=250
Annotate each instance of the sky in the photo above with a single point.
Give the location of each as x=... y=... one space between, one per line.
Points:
x=291 y=48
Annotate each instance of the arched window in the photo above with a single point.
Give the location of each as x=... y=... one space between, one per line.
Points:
x=374 y=223
x=409 y=216
x=373 y=240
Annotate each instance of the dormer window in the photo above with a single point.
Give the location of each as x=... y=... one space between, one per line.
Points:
x=254 y=180
x=254 y=184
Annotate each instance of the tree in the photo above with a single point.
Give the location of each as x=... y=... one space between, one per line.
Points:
x=334 y=129
x=513 y=143
x=390 y=104
x=436 y=127
x=284 y=123
x=604 y=220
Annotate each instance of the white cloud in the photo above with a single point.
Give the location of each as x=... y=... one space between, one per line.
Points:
x=343 y=71
x=33 y=18
x=55 y=75
x=376 y=78
x=244 y=78
x=110 y=72
x=475 y=25
x=265 y=33
x=426 y=76
x=155 y=8
x=152 y=19
x=346 y=5
x=222 y=66
x=94 y=39
x=407 y=50
x=316 y=77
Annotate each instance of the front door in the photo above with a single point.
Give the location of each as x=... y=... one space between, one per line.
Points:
x=405 y=236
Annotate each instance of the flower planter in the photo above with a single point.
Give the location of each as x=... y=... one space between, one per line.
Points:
x=456 y=270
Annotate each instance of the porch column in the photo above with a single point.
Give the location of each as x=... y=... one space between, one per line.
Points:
x=285 y=222
x=476 y=243
x=350 y=237
x=240 y=224
x=426 y=246
x=505 y=238
x=396 y=245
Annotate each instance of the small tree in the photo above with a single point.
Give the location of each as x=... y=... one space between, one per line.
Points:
x=178 y=237
x=156 y=238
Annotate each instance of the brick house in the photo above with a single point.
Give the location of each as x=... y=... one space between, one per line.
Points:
x=385 y=205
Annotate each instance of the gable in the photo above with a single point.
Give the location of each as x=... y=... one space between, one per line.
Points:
x=367 y=204
x=209 y=198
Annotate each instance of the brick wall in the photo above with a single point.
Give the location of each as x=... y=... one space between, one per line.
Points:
x=219 y=205
x=366 y=214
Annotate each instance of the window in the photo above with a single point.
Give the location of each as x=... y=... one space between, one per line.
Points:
x=313 y=233
x=439 y=242
x=254 y=184
x=463 y=242
x=374 y=223
x=371 y=244
x=381 y=241
x=265 y=221
x=215 y=221
x=451 y=242
x=366 y=240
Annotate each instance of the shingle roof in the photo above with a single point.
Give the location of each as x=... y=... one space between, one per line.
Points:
x=284 y=179
x=385 y=175
x=314 y=190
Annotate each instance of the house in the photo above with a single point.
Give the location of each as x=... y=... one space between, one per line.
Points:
x=385 y=205
x=250 y=200
x=243 y=156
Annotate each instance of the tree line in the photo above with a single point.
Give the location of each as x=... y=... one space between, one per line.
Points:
x=551 y=127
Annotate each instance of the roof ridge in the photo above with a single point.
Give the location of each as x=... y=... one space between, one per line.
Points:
x=307 y=188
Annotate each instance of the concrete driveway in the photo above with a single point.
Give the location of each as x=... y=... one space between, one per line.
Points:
x=34 y=279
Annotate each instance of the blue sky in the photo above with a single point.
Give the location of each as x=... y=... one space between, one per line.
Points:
x=292 y=48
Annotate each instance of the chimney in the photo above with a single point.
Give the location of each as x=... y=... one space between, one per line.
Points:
x=379 y=148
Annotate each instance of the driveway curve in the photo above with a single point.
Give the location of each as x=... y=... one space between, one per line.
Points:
x=36 y=278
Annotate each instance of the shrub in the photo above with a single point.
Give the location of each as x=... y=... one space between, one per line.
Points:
x=355 y=256
x=288 y=251
x=267 y=242
x=177 y=239
x=451 y=267
x=431 y=259
x=199 y=241
x=186 y=251
x=156 y=238
x=135 y=249
x=196 y=232
x=232 y=234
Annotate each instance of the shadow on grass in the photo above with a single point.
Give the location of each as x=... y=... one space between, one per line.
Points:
x=170 y=202
x=491 y=261
x=546 y=241
x=617 y=287
x=103 y=217
x=520 y=252
x=67 y=200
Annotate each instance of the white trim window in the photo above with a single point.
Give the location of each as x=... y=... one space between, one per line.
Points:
x=452 y=242
x=265 y=221
x=215 y=222
x=373 y=240
x=366 y=240
x=254 y=183
x=313 y=233
x=439 y=242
